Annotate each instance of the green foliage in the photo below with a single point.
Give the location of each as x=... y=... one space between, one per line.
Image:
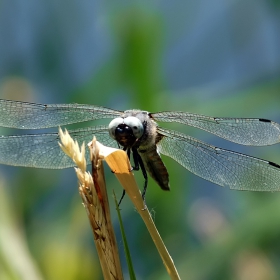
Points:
x=125 y=244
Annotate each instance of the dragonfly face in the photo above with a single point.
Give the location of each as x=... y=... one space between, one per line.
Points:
x=138 y=132
x=126 y=131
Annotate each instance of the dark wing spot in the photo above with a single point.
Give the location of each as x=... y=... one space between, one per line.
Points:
x=274 y=164
x=264 y=120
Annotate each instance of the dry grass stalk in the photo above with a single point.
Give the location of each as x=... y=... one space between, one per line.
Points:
x=120 y=165
x=92 y=189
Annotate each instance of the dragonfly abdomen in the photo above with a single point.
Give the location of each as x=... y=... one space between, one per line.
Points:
x=155 y=166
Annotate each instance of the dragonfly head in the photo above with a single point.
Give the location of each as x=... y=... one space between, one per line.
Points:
x=126 y=131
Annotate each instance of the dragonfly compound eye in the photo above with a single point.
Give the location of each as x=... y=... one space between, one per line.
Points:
x=136 y=125
x=113 y=126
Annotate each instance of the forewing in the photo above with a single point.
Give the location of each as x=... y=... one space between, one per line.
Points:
x=222 y=167
x=43 y=151
x=255 y=132
x=24 y=115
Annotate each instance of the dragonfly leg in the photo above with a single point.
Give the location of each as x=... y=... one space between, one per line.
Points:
x=128 y=151
x=138 y=162
x=123 y=194
x=145 y=178
x=135 y=159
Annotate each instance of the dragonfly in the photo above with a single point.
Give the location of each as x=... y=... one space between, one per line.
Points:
x=138 y=133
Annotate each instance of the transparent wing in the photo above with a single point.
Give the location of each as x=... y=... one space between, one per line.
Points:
x=222 y=167
x=24 y=115
x=255 y=132
x=43 y=151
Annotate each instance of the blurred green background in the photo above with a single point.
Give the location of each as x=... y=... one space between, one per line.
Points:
x=218 y=58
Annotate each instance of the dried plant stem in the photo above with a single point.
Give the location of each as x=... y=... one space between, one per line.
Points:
x=93 y=192
x=120 y=165
x=92 y=189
